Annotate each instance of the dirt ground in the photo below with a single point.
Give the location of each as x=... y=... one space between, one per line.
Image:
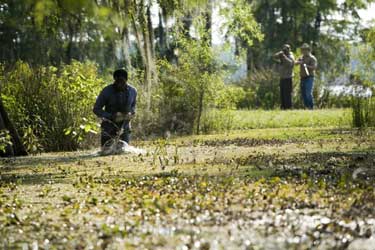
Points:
x=292 y=188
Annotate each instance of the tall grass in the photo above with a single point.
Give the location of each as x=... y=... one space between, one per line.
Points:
x=363 y=112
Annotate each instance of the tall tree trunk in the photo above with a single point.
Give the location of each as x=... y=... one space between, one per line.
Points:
x=249 y=60
x=295 y=27
x=69 y=49
x=151 y=35
x=166 y=31
x=126 y=48
x=162 y=36
x=142 y=34
x=318 y=21
x=187 y=21
x=139 y=39
x=149 y=59
x=200 y=111
x=208 y=17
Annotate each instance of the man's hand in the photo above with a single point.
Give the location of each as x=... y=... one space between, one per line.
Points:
x=278 y=55
x=281 y=54
x=130 y=116
x=120 y=117
x=299 y=62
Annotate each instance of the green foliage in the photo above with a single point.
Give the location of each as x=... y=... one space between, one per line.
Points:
x=31 y=140
x=370 y=39
x=241 y=22
x=5 y=140
x=80 y=132
x=216 y=120
x=46 y=103
x=54 y=32
x=51 y=105
x=363 y=112
x=328 y=100
x=190 y=86
x=362 y=79
x=261 y=90
x=230 y=97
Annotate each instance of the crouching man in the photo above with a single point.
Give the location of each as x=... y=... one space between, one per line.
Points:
x=115 y=105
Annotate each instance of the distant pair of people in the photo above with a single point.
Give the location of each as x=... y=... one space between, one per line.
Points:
x=308 y=64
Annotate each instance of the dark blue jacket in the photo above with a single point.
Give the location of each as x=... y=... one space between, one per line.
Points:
x=114 y=101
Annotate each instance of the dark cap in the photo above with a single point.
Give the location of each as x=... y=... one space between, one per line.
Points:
x=120 y=73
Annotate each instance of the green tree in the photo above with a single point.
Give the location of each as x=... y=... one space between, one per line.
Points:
x=190 y=86
x=300 y=21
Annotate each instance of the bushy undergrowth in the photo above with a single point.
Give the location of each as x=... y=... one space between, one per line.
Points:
x=5 y=141
x=363 y=112
x=362 y=78
x=52 y=107
x=261 y=90
x=190 y=87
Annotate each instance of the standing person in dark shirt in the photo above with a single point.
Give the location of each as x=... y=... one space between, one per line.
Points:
x=308 y=65
x=116 y=106
x=285 y=61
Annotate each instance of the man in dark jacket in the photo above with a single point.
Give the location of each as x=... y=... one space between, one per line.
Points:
x=116 y=106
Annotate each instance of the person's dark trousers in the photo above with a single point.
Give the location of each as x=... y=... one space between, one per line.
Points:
x=110 y=130
x=286 y=88
x=307 y=85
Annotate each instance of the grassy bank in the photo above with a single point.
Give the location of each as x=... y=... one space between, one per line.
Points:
x=259 y=119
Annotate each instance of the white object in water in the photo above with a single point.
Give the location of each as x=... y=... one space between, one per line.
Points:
x=120 y=147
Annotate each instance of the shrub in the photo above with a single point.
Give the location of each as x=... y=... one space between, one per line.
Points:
x=230 y=97
x=187 y=89
x=52 y=107
x=217 y=120
x=5 y=141
x=363 y=79
x=261 y=90
x=363 y=112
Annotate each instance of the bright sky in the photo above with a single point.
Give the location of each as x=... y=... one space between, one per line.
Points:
x=369 y=14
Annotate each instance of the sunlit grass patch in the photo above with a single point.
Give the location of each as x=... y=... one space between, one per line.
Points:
x=292 y=118
x=256 y=119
